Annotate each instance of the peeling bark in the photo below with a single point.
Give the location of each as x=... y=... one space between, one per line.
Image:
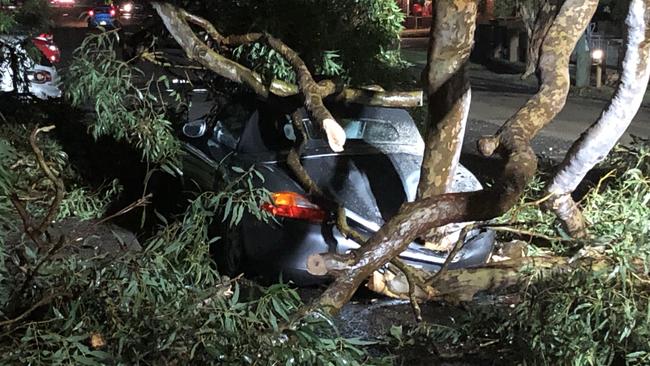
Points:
x=414 y=219
x=596 y=142
x=451 y=40
x=536 y=35
x=461 y=285
x=449 y=95
x=560 y=41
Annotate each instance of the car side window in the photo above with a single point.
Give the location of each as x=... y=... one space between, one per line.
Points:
x=230 y=123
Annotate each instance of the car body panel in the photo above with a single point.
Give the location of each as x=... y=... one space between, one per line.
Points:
x=11 y=47
x=101 y=17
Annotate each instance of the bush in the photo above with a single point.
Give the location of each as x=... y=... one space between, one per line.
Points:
x=584 y=316
x=164 y=305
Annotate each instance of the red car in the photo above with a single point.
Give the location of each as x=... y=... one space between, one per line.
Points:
x=62 y=3
x=45 y=43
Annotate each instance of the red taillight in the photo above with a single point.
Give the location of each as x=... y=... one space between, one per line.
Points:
x=112 y=12
x=295 y=206
x=91 y=13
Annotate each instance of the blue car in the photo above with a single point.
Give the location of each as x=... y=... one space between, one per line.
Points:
x=104 y=16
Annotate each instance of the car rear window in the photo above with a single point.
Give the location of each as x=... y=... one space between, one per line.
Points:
x=366 y=129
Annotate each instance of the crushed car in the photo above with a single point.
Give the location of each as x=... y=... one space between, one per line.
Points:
x=377 y=172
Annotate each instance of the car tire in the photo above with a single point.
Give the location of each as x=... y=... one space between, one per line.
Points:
x=228 y=251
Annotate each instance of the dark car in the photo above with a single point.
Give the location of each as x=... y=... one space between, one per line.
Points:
x=377 y=172
x=103 y=15
x=134 y=11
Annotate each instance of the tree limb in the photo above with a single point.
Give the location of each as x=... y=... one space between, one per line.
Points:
x=176 y=22
x=596 y=142
x=414 y=219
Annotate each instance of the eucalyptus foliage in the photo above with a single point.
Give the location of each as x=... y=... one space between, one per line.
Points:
x=583 y=316
x=347 y=39
x=165 y=305
x=123 y=108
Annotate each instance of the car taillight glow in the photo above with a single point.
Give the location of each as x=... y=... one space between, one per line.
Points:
x=112 y=12
x=40 y=77
x=91 y=13
x=295 y=206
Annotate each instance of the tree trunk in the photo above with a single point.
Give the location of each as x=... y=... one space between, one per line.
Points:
x=451 y=40
x=536 y=35
x=417 y=218
x=449 y=98
x=596 y=142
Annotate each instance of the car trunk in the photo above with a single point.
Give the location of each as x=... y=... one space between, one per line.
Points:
x=373 y=185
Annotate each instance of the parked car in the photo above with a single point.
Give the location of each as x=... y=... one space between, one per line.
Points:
x=377 y=172
x=22 y=74
x=131 y=11
x=103 y=15
x=62 y=3
x=45 y=43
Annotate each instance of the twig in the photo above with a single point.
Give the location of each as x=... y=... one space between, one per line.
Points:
x=141 y=202
x=44 y=301
x=411 y=279
x=34 y=270
x=600 y=183
x=58 y=183
x=530 y=233
x=528 y=204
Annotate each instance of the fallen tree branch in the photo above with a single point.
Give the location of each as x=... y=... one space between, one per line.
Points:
x=417 y=218
x=461 y=285
x=175 y=20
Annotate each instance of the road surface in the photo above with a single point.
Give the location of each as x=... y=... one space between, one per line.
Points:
x=496 y=97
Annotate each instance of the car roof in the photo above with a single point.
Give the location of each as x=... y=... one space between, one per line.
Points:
x=261 y=134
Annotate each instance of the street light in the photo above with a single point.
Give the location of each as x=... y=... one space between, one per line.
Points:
x=597 y=56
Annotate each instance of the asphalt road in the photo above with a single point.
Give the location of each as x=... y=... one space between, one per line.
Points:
x=496 y=97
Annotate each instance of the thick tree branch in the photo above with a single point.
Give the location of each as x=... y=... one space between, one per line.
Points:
x=596 y=142
x=176 y=21
x=416 y=218
x=459 y=285
x=560 y=40
x=312 y=94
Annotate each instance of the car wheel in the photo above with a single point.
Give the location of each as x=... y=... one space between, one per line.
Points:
x=228 y=250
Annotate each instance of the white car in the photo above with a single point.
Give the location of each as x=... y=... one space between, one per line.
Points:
x=36 y=77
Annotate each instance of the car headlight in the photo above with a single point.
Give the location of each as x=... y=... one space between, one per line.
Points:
x=127 y=7
x=597 y=55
